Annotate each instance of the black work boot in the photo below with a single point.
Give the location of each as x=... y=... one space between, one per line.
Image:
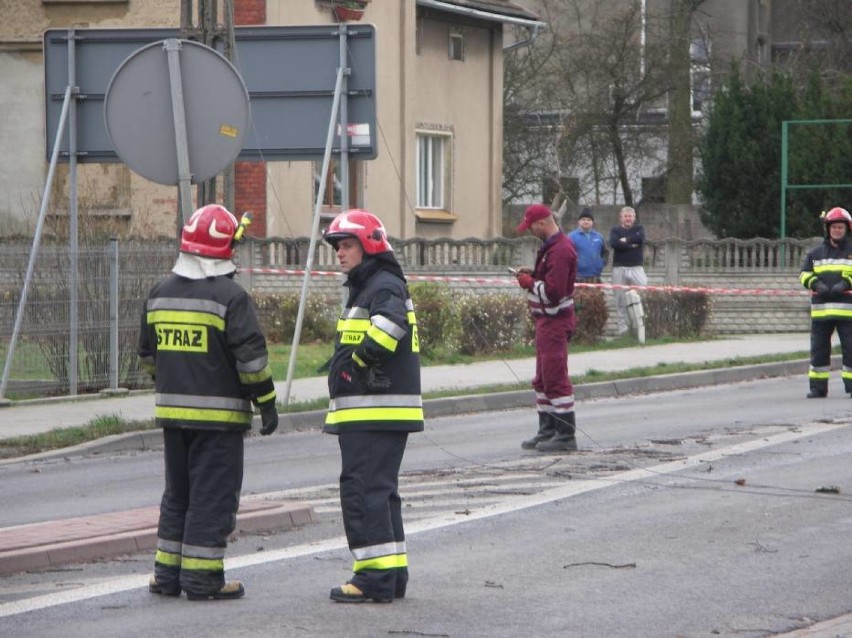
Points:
x=546 y=430
x=229 y=591
x=564 y=440
x=816 y=393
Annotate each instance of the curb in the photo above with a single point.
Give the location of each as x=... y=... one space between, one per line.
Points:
x=469 y=404
x=88 y=538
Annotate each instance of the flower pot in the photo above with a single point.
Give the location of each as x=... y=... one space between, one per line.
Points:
x=345 y=14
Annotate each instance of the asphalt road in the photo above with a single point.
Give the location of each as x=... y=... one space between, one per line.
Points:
x=688 y=513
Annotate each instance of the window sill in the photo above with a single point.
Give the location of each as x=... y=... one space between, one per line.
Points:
x=435 y=216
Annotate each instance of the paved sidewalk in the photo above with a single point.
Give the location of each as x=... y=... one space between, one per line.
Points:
x=24 y=418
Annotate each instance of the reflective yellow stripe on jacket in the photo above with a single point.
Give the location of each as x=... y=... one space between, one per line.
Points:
x=375 y=407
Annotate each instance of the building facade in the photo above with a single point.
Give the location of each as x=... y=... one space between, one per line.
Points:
x=439 y=121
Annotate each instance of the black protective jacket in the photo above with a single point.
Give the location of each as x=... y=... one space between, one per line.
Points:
x=830 y=265
x=202 y=342
x=374 y=374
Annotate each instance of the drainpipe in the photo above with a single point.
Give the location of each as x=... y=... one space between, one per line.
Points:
x=534 y=32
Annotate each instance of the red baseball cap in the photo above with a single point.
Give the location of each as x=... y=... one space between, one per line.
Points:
x=534 y=213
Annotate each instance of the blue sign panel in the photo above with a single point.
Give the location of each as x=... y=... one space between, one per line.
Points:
x=289 y=72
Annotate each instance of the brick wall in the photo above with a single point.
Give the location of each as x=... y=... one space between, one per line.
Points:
x=249 y=12
x=250 y=194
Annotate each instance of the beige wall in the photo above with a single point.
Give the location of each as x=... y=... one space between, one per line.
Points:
x=23 y=165
x=413 y=91
x=428 y=89
x=290 y=197
x=458 y=98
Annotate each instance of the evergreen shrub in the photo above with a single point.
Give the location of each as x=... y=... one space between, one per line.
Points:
x=591 y=312
x=278 y=312
x=491 y=322
x=675 y=313
x=433 y=306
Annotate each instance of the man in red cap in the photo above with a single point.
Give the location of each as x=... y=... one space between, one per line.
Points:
x=550 y=290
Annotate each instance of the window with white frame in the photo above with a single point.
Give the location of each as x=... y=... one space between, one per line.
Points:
x=433 y=169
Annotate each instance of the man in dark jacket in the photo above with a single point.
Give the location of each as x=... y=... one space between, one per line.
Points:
x=827 y=271
x=374 y=387
x=201 y=341
x=550 y=298
x=627 y=241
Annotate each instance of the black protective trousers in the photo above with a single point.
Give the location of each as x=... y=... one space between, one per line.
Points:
x=204 y=475
x=821 y=331
x=371 y=506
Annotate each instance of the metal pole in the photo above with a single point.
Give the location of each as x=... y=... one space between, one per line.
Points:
x=42 y=213
x=186 y=33
x=112 y=255
x=230 y=46
x=344 y=121
x=73 y=240
x=185 y=17
x=314 y=233
x=173 y=47
x=207 y=9
x=783 y=227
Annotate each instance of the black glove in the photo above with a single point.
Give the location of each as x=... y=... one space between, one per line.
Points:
x=373 y=377
x=377 y=380
x=839 y=288
x=821 y=289
x=268 y=419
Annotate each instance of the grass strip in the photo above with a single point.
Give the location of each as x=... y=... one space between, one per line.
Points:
x=107 y=425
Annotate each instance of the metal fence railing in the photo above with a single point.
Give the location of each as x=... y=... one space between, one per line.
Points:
x=115 y=277
x=113 y=282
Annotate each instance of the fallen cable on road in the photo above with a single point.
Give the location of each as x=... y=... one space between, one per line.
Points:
x=597 y=564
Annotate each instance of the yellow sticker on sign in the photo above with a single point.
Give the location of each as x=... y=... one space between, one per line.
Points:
x=228 y=131
x=181 y=337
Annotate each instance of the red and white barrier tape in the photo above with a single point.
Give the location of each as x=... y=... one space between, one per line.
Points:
x=510 y=281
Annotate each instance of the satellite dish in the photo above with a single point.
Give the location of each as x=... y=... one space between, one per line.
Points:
x=140 y=121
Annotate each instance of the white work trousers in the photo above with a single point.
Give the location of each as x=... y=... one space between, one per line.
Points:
x=625 y=276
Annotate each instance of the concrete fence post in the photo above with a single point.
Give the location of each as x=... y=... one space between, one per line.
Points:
x=673 y=255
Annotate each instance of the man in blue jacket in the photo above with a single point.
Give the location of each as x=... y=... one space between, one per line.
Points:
x=591 y=250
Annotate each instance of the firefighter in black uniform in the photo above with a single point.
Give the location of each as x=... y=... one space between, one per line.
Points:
x=827 y=271
x=202 y=342
x=374 y=387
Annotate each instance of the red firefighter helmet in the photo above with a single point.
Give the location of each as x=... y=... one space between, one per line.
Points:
x=837 y=215
x=365 y=227
x=210 y=232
